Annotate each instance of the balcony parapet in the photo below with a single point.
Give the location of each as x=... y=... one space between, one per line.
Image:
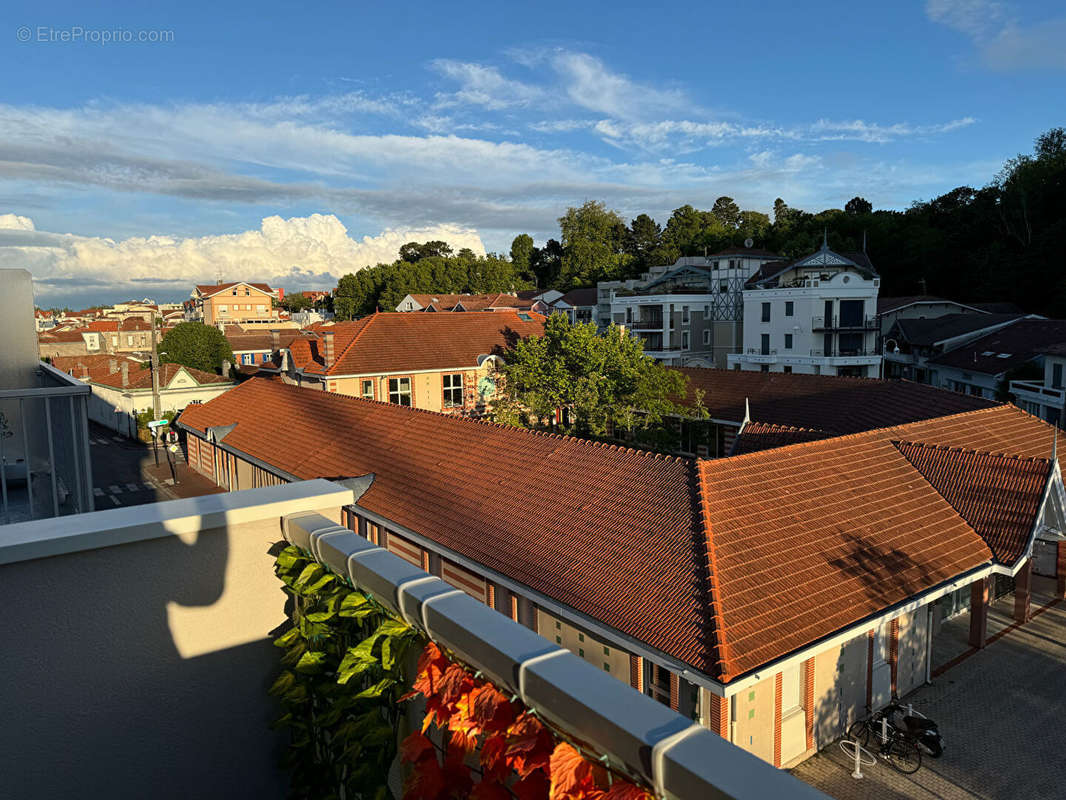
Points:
x=677 y=757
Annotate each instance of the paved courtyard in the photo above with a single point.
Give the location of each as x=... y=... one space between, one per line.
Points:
x=1001 y=712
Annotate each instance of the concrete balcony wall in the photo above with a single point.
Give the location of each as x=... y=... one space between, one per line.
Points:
x=136 y=651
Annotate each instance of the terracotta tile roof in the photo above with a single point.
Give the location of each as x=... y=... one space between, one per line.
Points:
x=95 y=361
x=809 y=539
x=63 y=335
x=103 y=325
x=471 y=302
x=209 y=289
x=1006 y=348
x=724 y=564
x=757 y=436
x=479 y=489
x=262 y=340
x=134 y=324
x=967 y=478
x=398 y=342
x=140 y=377
x=822 y=402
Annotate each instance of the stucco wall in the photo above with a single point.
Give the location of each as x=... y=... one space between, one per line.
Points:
x=584 y=645
x=154 y=658
x=754 y=719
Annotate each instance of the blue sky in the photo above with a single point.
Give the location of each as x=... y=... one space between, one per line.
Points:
x=295 y=143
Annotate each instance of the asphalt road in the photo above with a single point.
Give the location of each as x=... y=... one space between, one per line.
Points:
x=119 y=474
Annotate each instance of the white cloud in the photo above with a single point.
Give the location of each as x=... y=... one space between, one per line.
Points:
x=1002 y=41
x=483 y=86
x=862 y=131
x=589 y=83
x=305 y=252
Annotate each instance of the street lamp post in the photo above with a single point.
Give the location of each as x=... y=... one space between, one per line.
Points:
x=884 y=349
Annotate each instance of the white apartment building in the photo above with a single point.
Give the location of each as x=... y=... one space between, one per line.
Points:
x=688 y=313
x=816 y=315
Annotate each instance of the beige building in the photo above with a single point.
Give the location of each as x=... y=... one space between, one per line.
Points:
x=437 y=362
x=233 y=302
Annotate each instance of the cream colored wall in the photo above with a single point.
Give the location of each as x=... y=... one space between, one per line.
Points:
x=913 y=635
x=154 y=657
x=427 y=387
x=839 y=688
x=753 y=716
x=565 y=635
x=255 y=299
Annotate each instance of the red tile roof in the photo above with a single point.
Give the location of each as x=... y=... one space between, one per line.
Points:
x=140 y=377
x=608 y=506
x=135 y=324
x=724 y=564
x=471 y=302
x=758 y=436
x=580 y=297
x=822 y=402
x=210 y=289
x=966 y=478
x=398 y=342
x=103 y=325
x=63 y=335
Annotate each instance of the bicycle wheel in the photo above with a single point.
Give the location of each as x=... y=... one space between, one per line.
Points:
x=859 y=732
x=904 y=756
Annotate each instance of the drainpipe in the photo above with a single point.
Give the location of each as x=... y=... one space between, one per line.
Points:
x=929 y=643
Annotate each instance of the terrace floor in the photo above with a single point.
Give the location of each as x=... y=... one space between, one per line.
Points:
x=999 y=710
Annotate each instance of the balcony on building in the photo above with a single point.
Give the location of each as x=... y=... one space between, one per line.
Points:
x=138 y=656
x=1046 y=402
x=844 y=322
x=45 y=469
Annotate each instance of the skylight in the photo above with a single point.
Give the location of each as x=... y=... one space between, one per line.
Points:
x=1004 y=355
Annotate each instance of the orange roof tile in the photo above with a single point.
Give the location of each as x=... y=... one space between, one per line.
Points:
x=397 y=342
x=725 y=564
x=471 y=302
x=140 y=376
x=210 y=289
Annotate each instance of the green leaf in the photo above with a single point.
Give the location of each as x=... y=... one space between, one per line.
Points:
x=321 y=583
x=291 y=636
x=293 y=654
x=355 y=662
x=352 y=604
x=296 y=695
x=311 y=662
x=289 y=557
x=376 y=690
x=283 y=683
x=311 y=573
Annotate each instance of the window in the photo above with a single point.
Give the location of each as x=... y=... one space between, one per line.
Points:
x=366 y=390
x=764 y=344
x=790 y=308
x=706 y=312
x=247 y=293
x=558 y=625
x=581 y=637
x=764 y=368
x=606 y=667
x=788 y=370
x=558 y=639
x=788 y=341
x=685 y=343
x=222 y=309
x=234 y=292
x=765 y=312
x=400 y=391
x=723 y=287
x=684 y=315
x=707 y=336
x=1056 y=376
x=606 y=651
x=453 y=390
x=581 y=651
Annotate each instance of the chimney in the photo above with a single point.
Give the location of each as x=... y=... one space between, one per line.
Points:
x=275 y=340
x=327 y=348
x=125 y=373
x=112 y=365
x=84 y=370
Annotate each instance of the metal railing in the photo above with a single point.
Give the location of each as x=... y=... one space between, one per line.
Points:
x=45 y=467
x=1048 y=395
x=844 y=323
x=843 y=352
x=760 y=351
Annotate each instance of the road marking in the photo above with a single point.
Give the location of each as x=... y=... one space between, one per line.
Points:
x=98 y=492
x=132 y=487
x=114 y=489
x=115 y=500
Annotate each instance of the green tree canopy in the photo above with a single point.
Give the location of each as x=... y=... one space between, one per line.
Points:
x=522 y=253
x=858 y=205
x=603 y=379
x=592 y=238
x=193 y=344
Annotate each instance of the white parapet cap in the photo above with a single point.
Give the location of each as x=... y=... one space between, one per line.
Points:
x=637 y=735
x=24 y=541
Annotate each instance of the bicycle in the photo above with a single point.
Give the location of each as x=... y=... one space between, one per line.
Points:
x=893 y=745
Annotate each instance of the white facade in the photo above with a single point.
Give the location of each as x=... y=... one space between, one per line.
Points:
x=818 y=316
x=1045 y=399
x=688 y=313
x=117 y=408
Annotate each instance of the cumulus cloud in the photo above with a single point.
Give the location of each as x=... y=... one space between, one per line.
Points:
x=299 y=252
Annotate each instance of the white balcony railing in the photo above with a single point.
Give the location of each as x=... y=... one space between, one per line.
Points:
x=1037 y=392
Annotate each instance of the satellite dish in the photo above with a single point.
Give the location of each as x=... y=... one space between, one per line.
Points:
x=748 y=242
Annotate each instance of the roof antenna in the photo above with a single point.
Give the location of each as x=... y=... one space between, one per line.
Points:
x=1055 y=445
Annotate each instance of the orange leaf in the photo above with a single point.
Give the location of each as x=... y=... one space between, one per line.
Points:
x=529 y=745
x=571 y=775
x=491 y=708
x=624 y=790
x=426 y=781
x=492 y=760
x=416 y=747
x=453 y=683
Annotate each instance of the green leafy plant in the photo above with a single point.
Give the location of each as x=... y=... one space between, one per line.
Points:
x=344 y=660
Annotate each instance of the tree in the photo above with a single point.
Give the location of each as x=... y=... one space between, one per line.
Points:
x=296 y=302
x=413 y=252
x=726 y=211
x=592 y=238
x=602 y=379
x=522 y=252
x=858 y=205
x=547 y=264
x=684 y=230
x=193 y=344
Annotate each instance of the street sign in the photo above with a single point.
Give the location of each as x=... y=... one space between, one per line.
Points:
x=173 y=448
x=158 y=423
